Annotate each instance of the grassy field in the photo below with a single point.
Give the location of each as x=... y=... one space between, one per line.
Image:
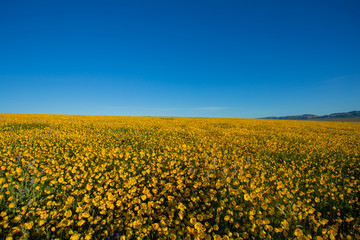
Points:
x=89 y=177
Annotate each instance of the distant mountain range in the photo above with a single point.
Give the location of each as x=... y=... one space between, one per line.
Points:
x=333 y=116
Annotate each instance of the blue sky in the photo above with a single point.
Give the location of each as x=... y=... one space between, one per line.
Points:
x=240 y=58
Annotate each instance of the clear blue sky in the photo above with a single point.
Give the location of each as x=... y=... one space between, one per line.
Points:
x=231 y=58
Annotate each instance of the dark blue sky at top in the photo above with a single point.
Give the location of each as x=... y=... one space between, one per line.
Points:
x=180 y=58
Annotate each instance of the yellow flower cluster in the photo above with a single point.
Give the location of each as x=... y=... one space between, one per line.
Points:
x=92 y=177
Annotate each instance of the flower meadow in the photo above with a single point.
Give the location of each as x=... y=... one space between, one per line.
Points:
x=95 y=177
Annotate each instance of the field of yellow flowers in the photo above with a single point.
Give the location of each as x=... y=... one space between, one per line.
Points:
x=92 y=177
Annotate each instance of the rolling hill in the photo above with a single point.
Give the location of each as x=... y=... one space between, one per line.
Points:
x=344 y=116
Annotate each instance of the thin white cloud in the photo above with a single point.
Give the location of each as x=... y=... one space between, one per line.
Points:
x=166 y=108
x=336 y=81
x=114 y=107
x=142 y=108
x=214 y=108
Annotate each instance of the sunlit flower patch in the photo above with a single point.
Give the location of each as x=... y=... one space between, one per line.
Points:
x=91 y=177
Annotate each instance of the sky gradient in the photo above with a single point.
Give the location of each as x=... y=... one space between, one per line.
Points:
x=240 y=58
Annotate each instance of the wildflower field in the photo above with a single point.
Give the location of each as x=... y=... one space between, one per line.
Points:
x=92 y=177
